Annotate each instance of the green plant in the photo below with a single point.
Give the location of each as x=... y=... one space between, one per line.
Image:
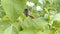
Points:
x=14 y=21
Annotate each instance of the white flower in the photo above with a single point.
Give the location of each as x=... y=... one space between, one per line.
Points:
x=52 y=12
x=40 y=1
x=28 y=3
x=31 y=4
x=38 y=8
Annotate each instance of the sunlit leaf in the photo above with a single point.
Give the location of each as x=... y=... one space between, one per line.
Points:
x=10 y=30
x=35 y=24
x=4 y=25
x=57 y=17
x=27 y=32
x=12 y=8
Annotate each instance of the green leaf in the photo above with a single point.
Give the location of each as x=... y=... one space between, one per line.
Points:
x=57 y=32
x=57 y=17
x=17 y=26
x=2 y=14
x=27 y=32
x=34 y=24
x=4 y=25
x=40 y=23
x=10 y=30
x=28 y=23
x=46 y=32
x=13 y=8
x=56 y=24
